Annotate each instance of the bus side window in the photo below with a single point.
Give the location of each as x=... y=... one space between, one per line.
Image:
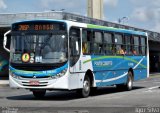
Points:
x=108 y=43
x=97 y=42
x=86 y=41
x=74 y=45
x=119 y=44
x=135 y=50
x=143 y=46
x=127 y=39
x=75 y=41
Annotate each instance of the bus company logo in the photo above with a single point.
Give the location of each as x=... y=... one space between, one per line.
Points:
x=25 y=57
x=103 y=63
x=34 y=76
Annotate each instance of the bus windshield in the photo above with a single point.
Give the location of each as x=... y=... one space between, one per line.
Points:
x=50 y=48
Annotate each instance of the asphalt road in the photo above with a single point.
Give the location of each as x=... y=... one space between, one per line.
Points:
x=144 y=98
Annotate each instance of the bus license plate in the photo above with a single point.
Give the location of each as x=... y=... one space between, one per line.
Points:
x=34 y=83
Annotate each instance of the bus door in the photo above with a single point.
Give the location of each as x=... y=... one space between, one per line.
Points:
x=74 y=55
x=74 y=49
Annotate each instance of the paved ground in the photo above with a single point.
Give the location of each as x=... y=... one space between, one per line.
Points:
x=144 y=97
x=4 y=83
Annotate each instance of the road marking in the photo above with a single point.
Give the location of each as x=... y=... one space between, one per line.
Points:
x=155 y=87
x=157 y=83
x=151 y=89
x=148 y=91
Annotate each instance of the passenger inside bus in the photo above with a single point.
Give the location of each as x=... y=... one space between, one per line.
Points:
x=134 y=52
x=84 y=47
x=120 y=50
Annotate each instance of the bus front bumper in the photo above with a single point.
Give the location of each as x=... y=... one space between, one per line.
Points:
x=60 y=83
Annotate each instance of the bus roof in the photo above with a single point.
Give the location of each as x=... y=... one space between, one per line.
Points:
x=118 y=30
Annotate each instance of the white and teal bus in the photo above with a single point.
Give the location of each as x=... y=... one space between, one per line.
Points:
x=68 y=55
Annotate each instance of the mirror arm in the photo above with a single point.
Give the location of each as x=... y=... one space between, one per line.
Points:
x=5 y=41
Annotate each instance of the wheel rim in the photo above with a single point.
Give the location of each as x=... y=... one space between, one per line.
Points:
x=86 y=86
x=129 y=82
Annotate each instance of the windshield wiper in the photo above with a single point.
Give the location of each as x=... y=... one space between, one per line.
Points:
x=46 y=41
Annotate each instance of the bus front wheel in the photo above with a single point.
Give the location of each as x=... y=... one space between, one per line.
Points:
x=39 y=93
x=85 y=91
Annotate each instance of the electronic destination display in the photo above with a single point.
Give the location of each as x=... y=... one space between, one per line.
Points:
x=38 y=26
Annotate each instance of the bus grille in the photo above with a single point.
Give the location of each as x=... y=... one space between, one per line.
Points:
x=41 y=84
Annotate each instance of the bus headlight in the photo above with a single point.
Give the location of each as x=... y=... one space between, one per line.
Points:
x=62 y=73
x=14 y=76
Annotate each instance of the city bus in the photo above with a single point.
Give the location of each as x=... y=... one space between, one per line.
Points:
x=52 y=54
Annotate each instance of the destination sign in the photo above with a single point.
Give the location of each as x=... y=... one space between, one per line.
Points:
x=40 y=26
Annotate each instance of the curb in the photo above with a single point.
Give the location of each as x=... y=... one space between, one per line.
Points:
x=154 y=75
x=4 y=83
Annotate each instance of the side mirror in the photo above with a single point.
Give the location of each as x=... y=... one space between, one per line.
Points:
x=5 y=41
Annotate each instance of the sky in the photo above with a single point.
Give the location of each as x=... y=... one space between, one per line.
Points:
x=138 y=13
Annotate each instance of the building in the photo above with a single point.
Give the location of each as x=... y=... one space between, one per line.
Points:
x=95 y=9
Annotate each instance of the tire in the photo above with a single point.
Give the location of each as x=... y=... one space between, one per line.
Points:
x=39 y=93
x=85 y=91
x=129 y=85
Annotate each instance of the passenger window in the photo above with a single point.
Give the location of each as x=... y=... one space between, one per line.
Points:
x=118 y=39
x=135 y=49
x=120 y=48
x=143 y=46
x=98 y=37
x=128 y=44
x=107 y=38
x=74 y=45
x=86 y=41
x=108 y=44
x=97 y=43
